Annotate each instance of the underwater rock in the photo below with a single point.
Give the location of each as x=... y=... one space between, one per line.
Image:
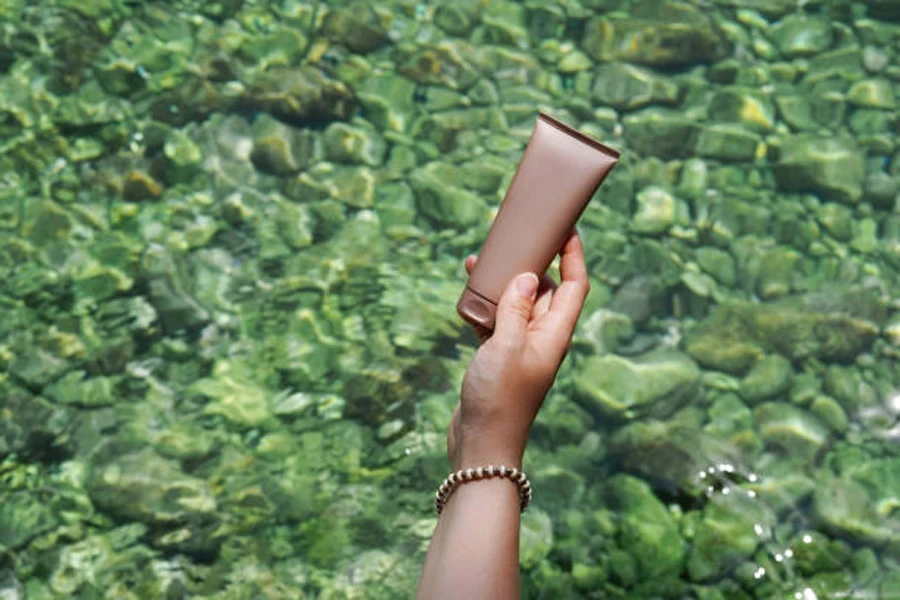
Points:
x=859 y=501
x=537 y=537
x=32 y=428
x=439 y=198
x=726 y=142
x=354 y=144
x=645 y=529
x=746 y=107
x=24 y=515
x=769 y=378
x=628 y=87
x=667 y=134
x=719 y=264
x=655 y=384
x=836 y=219
x=888 y=10
x=795 y=433
x=388 y=100
x=280 y=149
x=872 y=93
x=145 y=487
x=671 y=456
x=300 y=96
x=657 y=210
x=356 y=26
x=656 y=34
x=736 y=334
x=832 y=167
x=458 y=18
x=444 y=64
x=726 y=535
x=802 y=35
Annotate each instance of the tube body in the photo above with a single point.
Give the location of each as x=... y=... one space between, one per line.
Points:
x=556 y=178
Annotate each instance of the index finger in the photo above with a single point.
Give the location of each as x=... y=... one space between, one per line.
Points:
x=569 y=297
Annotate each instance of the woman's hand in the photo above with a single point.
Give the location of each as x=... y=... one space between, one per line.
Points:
x=508 y=379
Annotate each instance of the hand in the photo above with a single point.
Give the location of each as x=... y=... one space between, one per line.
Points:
x=508 y=379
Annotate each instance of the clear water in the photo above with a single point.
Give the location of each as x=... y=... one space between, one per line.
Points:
x=232 y=242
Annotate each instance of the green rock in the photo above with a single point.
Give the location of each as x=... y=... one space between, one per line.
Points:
x=834 y=64
x=662 y=133
x=727 y=535
x=802 y=35
x=742 y=106
x=356 y=26
x=280 y=149
x=233 y=394
x=654 y=34
x=458 y=18
x=865 y=236
x=655 y=384
x=831 y=167
x=889 y=10
x=881 y=190
x=145 y=487
x=769 y=378
x=718 y=263
x=793 y=431
x=830 y=413
x=727 y=143
x=300 y=96
x=76 y=388
x=736 y=335
x=872 y=93
x=860 y=499
x=837 y=220
x=388 y=100
x=628 y=87
x=657 y=211
x=439 y=198
x=352 y=144
x=815 y=553
x=847 y=386
x=23 y=517
x=796 y=111
x=828 y=109
x=646 y=529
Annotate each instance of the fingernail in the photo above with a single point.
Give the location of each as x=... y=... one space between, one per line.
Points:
x=527 y=284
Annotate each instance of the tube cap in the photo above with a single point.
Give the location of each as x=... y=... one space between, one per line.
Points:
x=476 y=309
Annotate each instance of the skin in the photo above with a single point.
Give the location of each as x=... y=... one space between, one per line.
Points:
x=474 y=551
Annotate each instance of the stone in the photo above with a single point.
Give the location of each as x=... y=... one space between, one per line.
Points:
x=746 y=107
x=832 y=167
x=439 y=198
x=536 y=536
x=356 y=26
x=769 y=378
x=657 y=210
x=872 y=93
x=354 y=144
x=802 y=35
x=795 y=433
x=719 y=264
x=836 y=219
x=656 y=34
x=458 y=18
x=736 y=335
x=300 y=96
x=139 y=186
x=144 y=487
x=727 y=143
x=280 y=149
x=663 y=133
x=388 y=100
x=645 y=528
x=628 y=87
x=654 y=384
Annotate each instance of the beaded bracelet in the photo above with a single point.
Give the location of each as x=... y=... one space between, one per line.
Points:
x=454 y=480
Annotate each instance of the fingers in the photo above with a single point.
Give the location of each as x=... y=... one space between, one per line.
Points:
x=569 y=297
x=515 y=307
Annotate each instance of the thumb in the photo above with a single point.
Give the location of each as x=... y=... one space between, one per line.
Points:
x=514 y=308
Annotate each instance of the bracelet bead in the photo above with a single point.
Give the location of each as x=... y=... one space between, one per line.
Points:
x=457 y=478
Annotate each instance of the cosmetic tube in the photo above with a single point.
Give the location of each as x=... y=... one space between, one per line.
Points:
x=556 y=178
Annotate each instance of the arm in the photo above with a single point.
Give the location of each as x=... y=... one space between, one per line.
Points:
x=474 y=552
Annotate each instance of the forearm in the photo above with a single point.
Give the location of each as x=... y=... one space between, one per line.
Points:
x=474 y=552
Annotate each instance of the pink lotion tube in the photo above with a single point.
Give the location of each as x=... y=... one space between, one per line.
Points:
x=556 y=178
